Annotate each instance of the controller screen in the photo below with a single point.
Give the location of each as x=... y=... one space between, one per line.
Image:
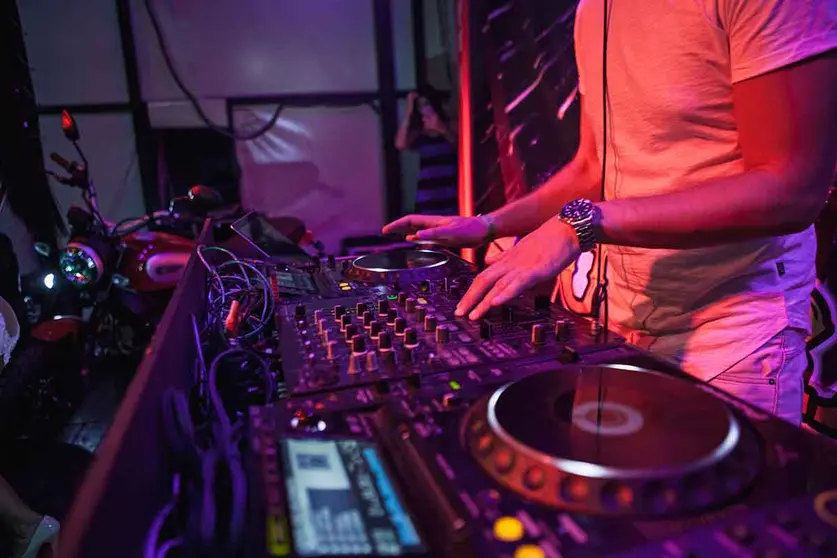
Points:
x=343 y=503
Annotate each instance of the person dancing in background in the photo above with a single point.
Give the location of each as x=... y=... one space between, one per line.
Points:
x=712 y=125
x=426 y=128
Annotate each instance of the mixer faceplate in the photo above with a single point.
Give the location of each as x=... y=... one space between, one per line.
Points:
x=595 y=434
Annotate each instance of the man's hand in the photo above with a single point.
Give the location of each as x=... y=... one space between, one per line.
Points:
x=540 y=256
x=449 y=231
x=412 y=97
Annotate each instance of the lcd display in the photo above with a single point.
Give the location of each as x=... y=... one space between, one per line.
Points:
x=343 y=503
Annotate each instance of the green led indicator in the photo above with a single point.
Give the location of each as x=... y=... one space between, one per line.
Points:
x=455 y=385
x=392 y=297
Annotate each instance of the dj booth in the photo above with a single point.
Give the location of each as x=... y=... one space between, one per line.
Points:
x=390 y=427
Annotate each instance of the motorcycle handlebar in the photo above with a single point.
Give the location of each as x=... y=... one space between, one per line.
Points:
x=61 y=162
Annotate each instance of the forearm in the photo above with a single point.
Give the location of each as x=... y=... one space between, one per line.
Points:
x=750 y=205
x=576 y=180
x=402 y=137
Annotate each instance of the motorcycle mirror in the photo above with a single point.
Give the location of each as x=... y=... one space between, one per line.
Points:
x=42 y=249
x=205 y=196
x=69 y=127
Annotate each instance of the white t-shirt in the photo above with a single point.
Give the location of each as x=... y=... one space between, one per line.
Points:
x=671 y=68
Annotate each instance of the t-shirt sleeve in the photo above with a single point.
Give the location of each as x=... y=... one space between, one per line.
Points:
x=766 y=35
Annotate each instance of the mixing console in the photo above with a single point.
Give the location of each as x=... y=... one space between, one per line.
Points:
x=530 y=434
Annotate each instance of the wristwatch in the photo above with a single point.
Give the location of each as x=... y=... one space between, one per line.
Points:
x=582 y=215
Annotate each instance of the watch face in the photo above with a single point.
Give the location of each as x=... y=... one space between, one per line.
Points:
x=577 y=209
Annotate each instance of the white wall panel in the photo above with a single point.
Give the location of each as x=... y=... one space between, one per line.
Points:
x=227 y=48
x=402 y=38
x=74 y=51
x=320 y=164
x=108 y=142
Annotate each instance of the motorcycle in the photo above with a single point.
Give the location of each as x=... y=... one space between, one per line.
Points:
x=115 y=279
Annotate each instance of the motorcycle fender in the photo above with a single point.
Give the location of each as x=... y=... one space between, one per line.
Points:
x=58 y=328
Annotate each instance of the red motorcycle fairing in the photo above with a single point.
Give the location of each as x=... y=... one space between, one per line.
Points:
x=58 y=328
x=154 y=261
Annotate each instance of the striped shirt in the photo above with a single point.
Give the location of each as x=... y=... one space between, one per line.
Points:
x=437 y=192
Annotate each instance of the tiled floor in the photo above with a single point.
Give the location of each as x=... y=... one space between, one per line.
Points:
x=89 y=424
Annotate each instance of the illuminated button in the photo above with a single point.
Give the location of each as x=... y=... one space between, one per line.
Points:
x=508 y=529
x=529 y=551
x=534 y=478
x=346 y=288
x=504 y=460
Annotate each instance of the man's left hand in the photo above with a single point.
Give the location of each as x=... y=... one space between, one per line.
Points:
x=540 y=256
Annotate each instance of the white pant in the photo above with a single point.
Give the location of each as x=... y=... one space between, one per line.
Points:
x=772 y=377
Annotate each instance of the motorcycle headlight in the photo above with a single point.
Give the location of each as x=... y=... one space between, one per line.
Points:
x=80 y=264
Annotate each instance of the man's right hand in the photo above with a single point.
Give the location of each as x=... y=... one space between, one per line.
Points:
x=448 y=231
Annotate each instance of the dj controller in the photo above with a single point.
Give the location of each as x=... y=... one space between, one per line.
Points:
x=533 y=433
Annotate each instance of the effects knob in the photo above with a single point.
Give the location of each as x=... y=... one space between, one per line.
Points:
x=442 y=335
x=563 y=331
x=318 y=315
x=345 y=321
x=368 y=318
x=383 y=307
x=410 y=305
x=375 y=329
x=430 y=323
x=410 y=337
x=400 y=326
x=331 y=350
x=421 y=312
x=338 y=311
x=538 y=334
x=485 y=330
x=299 y=312
x=351 y=331
x=358 y=344
x=322 y=325
x=328 y=336
x=407 y=355
x=385 y=341
x=360 y=308
x=392 y=315
x=402 y=299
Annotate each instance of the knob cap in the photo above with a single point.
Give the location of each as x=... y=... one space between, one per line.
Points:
x=318 y=314
x=345 y=320
x=331 y=350
x=402 y=299
x=538 y=334
x=360 y=308
x=299 y=312
x=328 y=335
x=385 y=341
x=442 y=335
x=351 y=331
x=563 y=331
x=485 y=330
x=407 y=355
x=338 y=311
x=358 y=344
x=400 y=326
x=410 y=336
x=322 y=325
x=375 y=329
x=383 y=307
x=368 y=318
x=421 y=312
x=392 y=315
x=430 y=323
x=410 y=305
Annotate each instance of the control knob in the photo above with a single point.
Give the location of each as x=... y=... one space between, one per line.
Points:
x=402 y=299
x=538 y=334
x=430 y=323
x=345 y=320
x=383 y=307
x=299 y=312
x=355 y=364
x=563 y=331
x=351 y=331
x=410 y=337
x=384 y=341
x=318 y=314
x=375 y=329
x=322 y=325
x=410 y=305
x=392 y=315
x=421 y=312
x=442 y=335
x=358 y=344
x=331 y=350
x=371 y=361
x=360 y=308
x=424 y=286
x=400 y=326
x=368 y=318
x=338 y=311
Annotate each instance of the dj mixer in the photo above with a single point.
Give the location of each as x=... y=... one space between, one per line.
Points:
x=533 y=433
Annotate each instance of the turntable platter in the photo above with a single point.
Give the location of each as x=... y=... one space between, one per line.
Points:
x=406 y=265
x=613 y=440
